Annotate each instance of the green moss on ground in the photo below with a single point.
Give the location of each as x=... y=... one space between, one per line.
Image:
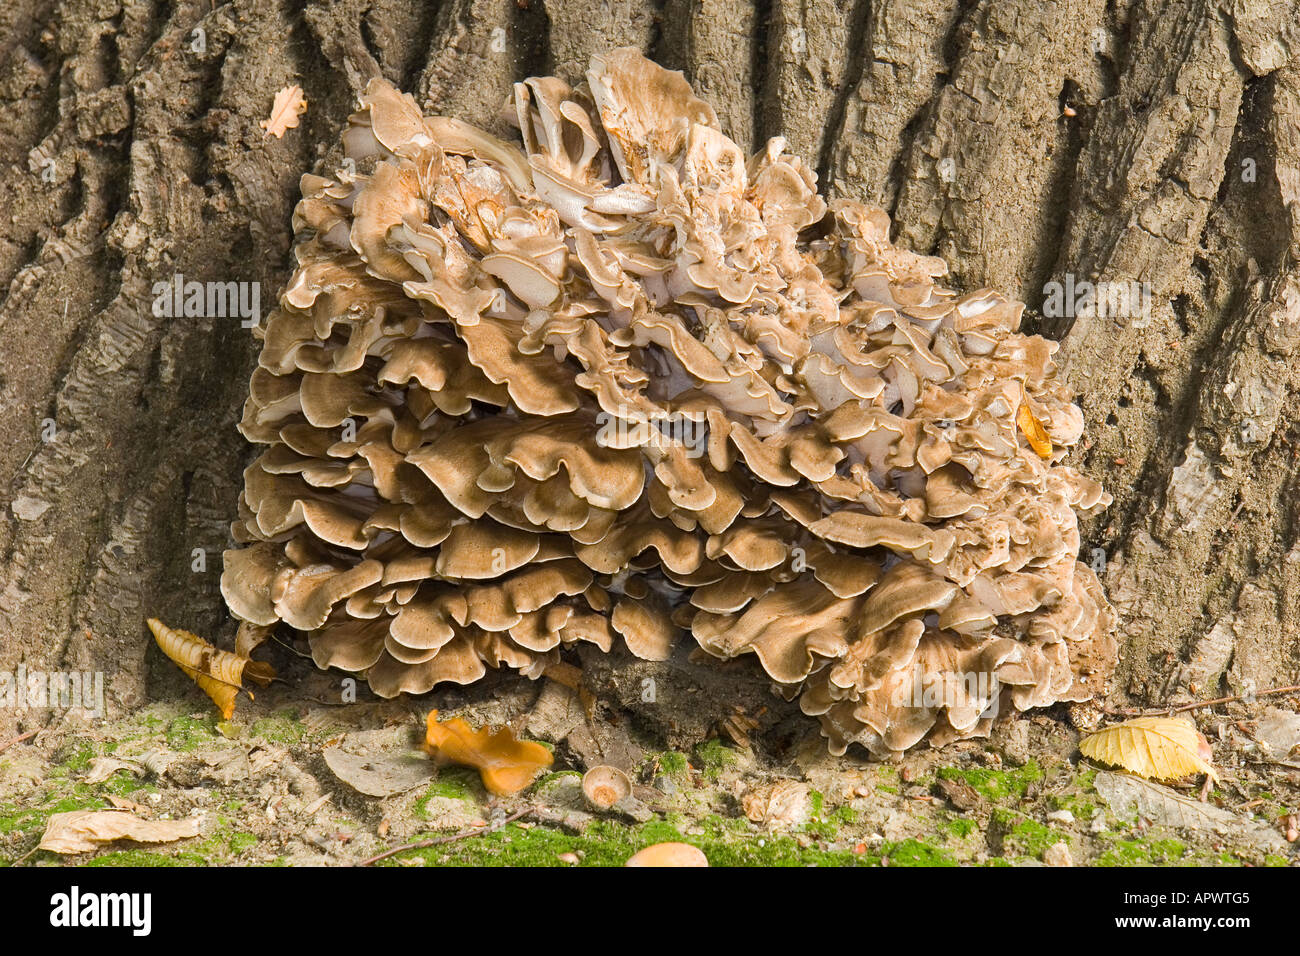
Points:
x=960 y=827
x=996 y=785
x=1022 y=836
x=671 y=763
x=913 y=852
x=283 y=728
x=611 y=844
x=1142 y=853
x=712 y=757
x=147 y=858
x=188 y=733
x=725 y=841
x=454 y=783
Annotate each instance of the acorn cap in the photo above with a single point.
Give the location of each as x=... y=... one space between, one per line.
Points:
x=604 y=787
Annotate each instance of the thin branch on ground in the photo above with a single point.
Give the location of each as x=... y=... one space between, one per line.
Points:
x=1181 y=708
x=437 y=841
x=17 y=740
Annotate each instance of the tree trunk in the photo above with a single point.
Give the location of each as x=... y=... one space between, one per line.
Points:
x=1022 y=141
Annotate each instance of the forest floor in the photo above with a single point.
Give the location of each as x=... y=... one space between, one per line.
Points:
x=296 y=778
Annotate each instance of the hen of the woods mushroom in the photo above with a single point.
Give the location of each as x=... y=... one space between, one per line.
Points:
x=621 y=383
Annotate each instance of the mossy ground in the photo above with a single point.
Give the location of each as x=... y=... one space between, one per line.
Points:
x=265 y=796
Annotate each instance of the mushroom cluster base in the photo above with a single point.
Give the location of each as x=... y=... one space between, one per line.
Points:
x=615 y=381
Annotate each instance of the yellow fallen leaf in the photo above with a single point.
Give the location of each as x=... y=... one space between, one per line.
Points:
x=288 y=106
x=506 y=765
x=1162 y=748
x=1034 y=431
x=81 y=831
x=220 y=673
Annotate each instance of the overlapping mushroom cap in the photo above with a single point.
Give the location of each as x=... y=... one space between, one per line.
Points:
x=620 y=382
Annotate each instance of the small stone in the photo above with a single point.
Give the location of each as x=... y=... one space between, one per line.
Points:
x=29 y=509
x=1085 y=716
x=1016 y=744
x=1058 y=854
x=569 y=858
x=1060 y=816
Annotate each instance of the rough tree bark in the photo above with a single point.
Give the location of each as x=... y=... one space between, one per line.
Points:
x=1021 y=140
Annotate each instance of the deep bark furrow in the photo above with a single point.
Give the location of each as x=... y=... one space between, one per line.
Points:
x=575 y=38
x=988 y=154
x=474 y=58
x=900 y=75
x=1228 y=467
x=96 y=529
x=711 y=41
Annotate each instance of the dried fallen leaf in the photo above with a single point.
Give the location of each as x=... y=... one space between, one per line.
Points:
x=960 y=794
x=378 y=763
x=571 y=677
x=1163 y=748
x=218 y=672
x=1034 y=432
x=81 y=831
x=101 y=768
x=122 y=803
x=1151 y=804
x=785 y=803
x=507 y=765
x=288 y=106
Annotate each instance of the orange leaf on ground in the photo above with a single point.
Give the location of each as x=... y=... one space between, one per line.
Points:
x=220 y=673
x=507 y=765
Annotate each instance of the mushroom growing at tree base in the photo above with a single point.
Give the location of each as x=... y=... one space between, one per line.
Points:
x=618 y=382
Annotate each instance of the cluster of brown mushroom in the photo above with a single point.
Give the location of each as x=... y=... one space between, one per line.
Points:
x=621 y=382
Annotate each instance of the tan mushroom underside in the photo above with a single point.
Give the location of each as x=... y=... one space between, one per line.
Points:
x=615 y=380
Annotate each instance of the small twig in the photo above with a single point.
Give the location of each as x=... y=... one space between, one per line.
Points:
x=1289 y=764
x=437 y=841
x=287 y=646
x=23 y=858
x=1157 y=711
x=17 y=740
x=1294 y=688
x=1240 y=505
